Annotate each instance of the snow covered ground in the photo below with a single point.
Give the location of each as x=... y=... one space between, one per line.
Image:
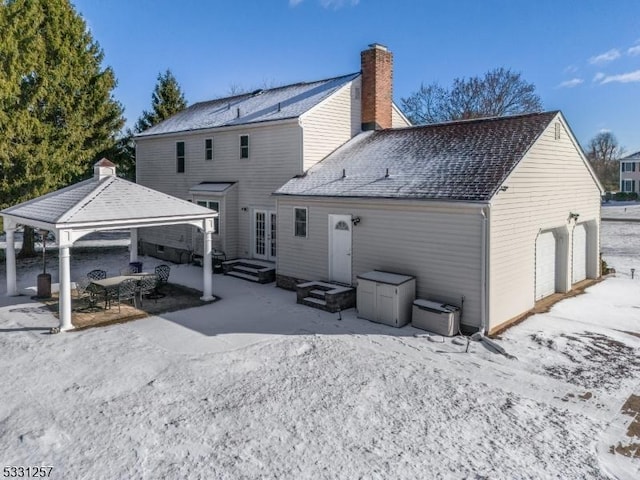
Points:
x=621 y=210
x=255 y=386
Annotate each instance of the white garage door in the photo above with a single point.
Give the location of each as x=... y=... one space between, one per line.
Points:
x=545 y=265
x=579 y=254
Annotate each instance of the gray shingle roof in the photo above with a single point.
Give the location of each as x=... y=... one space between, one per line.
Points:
x=108 y=199
x=465 y=160
x=633 y=156
x=280 y=103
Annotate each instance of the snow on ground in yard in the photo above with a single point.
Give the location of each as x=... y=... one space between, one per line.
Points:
x=623 y=210
x=256 y=386
x=620 y=247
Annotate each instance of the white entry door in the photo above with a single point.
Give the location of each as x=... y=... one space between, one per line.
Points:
x=579 y=257
x=545 y=265
x=340 y=248
x=264 y=234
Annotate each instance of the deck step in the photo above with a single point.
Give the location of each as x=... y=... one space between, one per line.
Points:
x=319 y=294
x=246 y=269
x=316 y=301
x=244 y=276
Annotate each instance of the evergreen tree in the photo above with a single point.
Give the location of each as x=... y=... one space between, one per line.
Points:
x=57 y=112
x=167 y=99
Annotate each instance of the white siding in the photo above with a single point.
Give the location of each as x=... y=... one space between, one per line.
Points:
x=550 y=182
x=274 y=158
x=331 y=123
x=397 y=119
x=440 y=246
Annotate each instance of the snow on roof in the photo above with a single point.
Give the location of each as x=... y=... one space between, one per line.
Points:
x=107 y=199
x=633 y=156
x=464 y=160
x=280 y=103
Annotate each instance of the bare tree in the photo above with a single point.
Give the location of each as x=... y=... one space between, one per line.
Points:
x=604 y=152
x=500 y=92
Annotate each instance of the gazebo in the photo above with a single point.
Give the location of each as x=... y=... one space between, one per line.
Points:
x=104 y=202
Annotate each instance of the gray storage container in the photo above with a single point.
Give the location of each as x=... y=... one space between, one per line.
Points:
x=436 y=317
x=386 y=297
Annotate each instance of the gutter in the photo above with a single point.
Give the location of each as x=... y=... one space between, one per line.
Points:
x=219 y=128
x=484 y=266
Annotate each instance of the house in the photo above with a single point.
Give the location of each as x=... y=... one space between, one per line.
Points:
x=232 y=153
x=494 y=213
x=500 y=212
x=630 y=173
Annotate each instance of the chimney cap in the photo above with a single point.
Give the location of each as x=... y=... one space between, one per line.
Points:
x=378 y=46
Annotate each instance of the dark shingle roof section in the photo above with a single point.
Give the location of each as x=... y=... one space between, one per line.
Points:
x=465 y=160
x=280 y=103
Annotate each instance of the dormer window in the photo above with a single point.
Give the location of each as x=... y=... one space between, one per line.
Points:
x=244 y=146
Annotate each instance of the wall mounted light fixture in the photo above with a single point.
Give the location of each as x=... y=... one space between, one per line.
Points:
x=244 y=209
x=573 y=216
x=355 y=220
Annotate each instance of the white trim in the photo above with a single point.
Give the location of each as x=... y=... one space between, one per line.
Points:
x=206 y=149
x=330 y=246
x=320 y=104
x=578 y=148
x=402 y=115
x=184 y=156
x=240 y=157
x=215 y=130
x=306 y=222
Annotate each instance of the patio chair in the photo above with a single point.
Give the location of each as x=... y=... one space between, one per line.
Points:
x=147 y=287
x=127 y=290
x=87 y=295
x=97 y=274
x=162 y=274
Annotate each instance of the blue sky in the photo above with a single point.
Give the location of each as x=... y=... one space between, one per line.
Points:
x=583 y=56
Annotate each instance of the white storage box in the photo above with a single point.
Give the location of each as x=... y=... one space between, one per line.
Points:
x=436 y=317
x=386 y=297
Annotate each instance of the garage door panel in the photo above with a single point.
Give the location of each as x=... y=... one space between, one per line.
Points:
x=545 y=265
x=579 y=255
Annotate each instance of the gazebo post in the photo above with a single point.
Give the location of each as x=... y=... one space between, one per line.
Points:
x=133 y=248
x=207 y=290
x=12 y=287
x=65 y=290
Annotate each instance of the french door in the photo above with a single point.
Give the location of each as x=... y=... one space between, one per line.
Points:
x=264 y=234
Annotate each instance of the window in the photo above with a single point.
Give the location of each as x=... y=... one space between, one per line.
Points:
x=180 y=157
x=300 y=222
x=628 y=166
x=215 y=206
x=628 y=185
x=160 y=248
x=244 y=146
x=208 y=149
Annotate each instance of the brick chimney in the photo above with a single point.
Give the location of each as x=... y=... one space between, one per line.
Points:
x=377 y=87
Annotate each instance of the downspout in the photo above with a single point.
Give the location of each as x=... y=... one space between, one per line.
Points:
x=484 y=266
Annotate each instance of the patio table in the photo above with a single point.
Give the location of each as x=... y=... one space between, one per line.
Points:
x=113 y=283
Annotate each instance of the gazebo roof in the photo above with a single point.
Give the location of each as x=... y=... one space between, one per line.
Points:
x=104 y=199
